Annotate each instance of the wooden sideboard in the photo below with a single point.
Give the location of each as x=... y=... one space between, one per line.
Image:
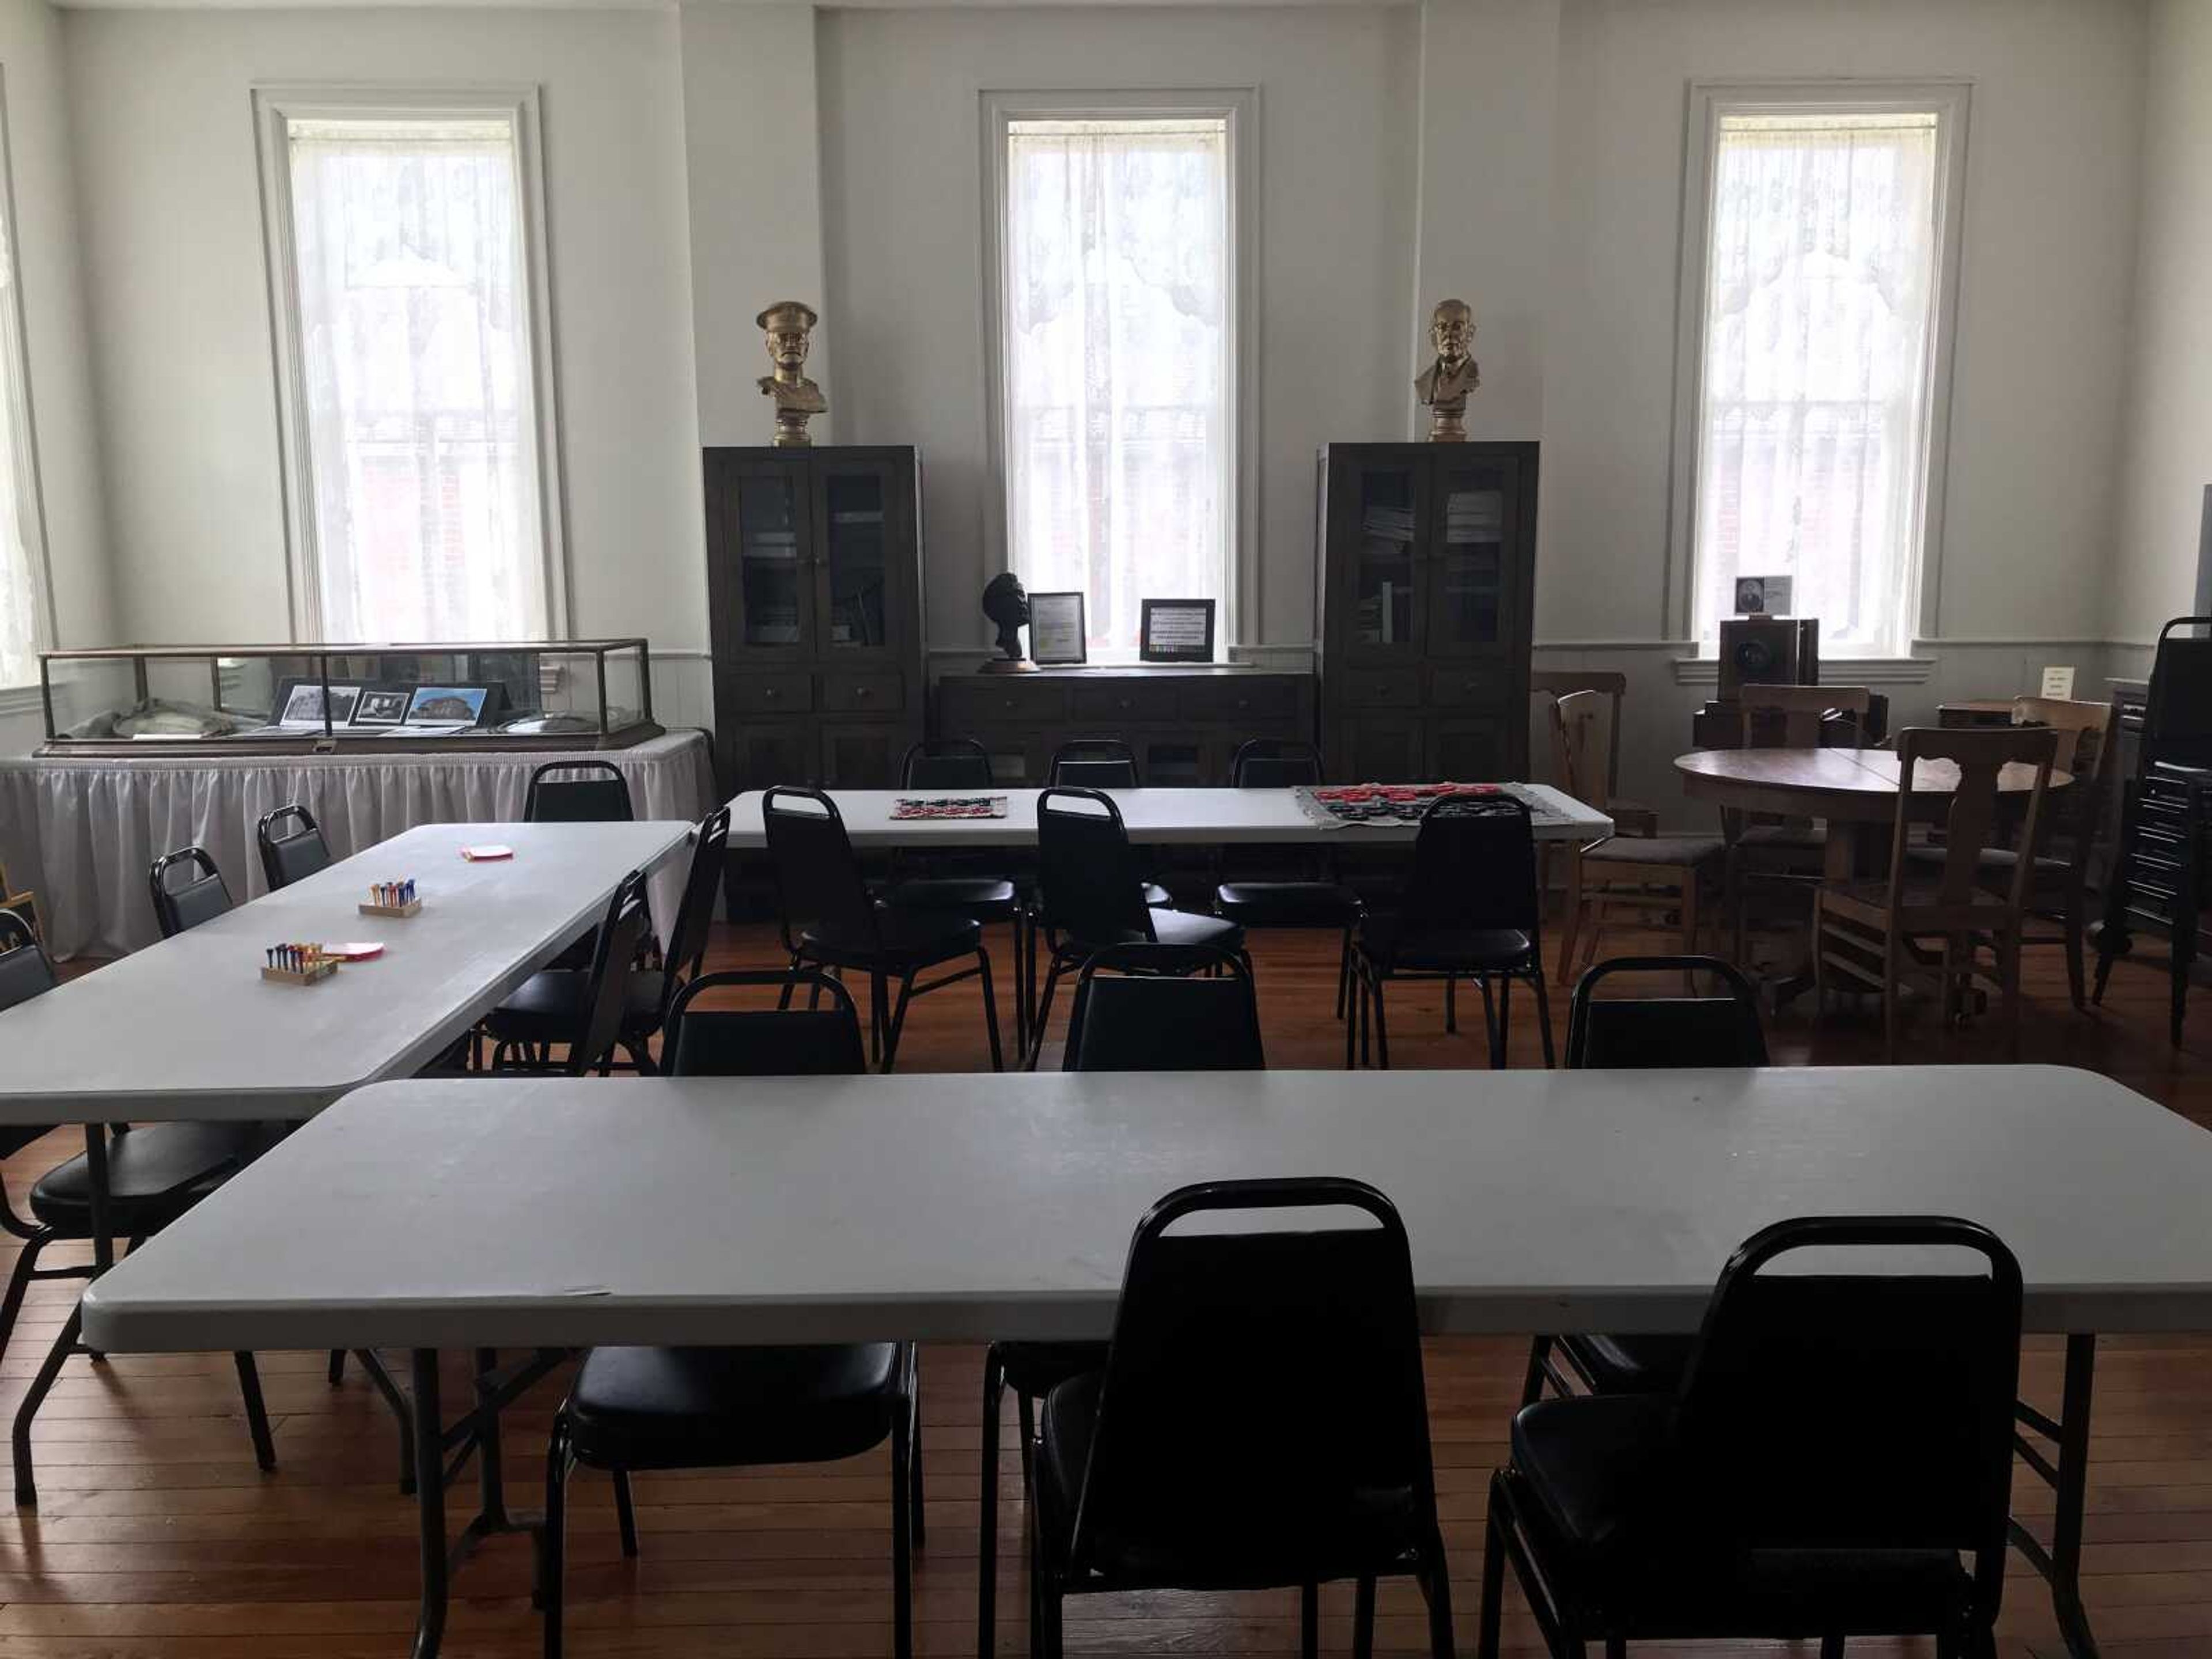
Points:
x=1184 y=723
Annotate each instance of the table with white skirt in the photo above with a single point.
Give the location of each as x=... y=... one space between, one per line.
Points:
x=81 y=833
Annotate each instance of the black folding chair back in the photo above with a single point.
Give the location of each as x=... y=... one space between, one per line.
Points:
x=292 y=845
x=578 y=792
x=947 y=763
x=1273 y=764
x=1094 y=764
x=614 y=955
x=1322 y=1470
x=695 y=914
x=1088 y=884
x=1474 y=867
x=2178 y=708
x=25 y=969
x=186 y=900
x=1137 y=1009
x=810 y=1041
x=818 y=882
x=1652 y=1033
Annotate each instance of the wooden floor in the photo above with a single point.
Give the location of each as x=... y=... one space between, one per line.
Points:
x=157 y=1536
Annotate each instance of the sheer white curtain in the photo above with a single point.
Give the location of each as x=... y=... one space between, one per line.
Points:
x=19 y=536
x=1116 y=363
x=414 y=342
x=1812 y=443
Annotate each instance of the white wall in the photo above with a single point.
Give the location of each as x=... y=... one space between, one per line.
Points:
x=172 y=217
x=54 y=326
x=2169 y=451
x=903 y=202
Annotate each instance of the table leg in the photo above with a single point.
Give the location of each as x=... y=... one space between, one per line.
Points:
x=430 y=1503
x=2061 y=1565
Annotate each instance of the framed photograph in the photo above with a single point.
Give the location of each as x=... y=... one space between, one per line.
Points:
x=447 y=705
x=1176 y=630
x=1057 y=634
x=381 y=705
x=1763 y=596
x=303 y=704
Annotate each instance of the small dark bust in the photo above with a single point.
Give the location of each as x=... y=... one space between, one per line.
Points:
x=1006 y=603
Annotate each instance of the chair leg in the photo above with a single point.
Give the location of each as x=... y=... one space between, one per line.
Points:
x=256 y=1413
x=1451 y=1005
x=1356 y=995
x=987 y=1554
x=1437 y=1583
x=1532 y=1380
x=19 y=1281
x=337 y=1366
x=915 y=1508
x=27 y=1487
x=1889 y=997
x=1309 y=1621
x=1490 y=1616
x=897 y=1022
x=901 y=1540
x=625 y=1514
x=1363 y=1618
x=552 y=1542
x=1344 y=974
x=2076 y=978
x=1570 y=922
x=1543 y=1017
x=2009 y=970
x=1499 y=1035
x=1044 y=1011
x=1382 y=1026
x=991 y=1011
x=876 y=999
x=1690 y=926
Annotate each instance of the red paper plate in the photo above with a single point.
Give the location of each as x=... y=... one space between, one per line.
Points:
x=359 y=950
x=484 y=855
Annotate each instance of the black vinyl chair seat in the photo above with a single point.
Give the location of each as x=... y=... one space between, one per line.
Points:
x=1287 y=903
x=546 y=1006
x=1389 y=941
x=1658 y=850
x=687 y=1408
x=1631 y=1365
x=986 y=897
x=154 y=1175
x=1036 y=1369
x=1591 y=1461
x=900 y=940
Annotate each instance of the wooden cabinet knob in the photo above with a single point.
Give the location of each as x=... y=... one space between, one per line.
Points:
x=864 y=692
x=770 y=694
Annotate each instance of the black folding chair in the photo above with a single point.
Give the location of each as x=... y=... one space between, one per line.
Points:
x=153 y=1175
x=577 y=792
x=1094 y=764
x=641 y=1409
x=965 y=884
x=1322 y=1470
x=186 y=900
x=828 y=918
x=1303 y=897
x=1472 y=910
x=1842 y=1438
x=595 y=1020
x=292 y=845
x=1645 y=1033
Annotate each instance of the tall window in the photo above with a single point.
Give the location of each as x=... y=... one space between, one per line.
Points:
x=1116 y=363
x=417 y=442
x=22 y=527
x=1825 y=246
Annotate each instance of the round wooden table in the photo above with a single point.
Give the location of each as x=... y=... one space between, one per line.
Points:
x=1848 y=787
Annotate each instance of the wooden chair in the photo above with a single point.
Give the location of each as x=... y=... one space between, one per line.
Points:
x=1636 y=868
x=1782 y=852
x=1873 y=932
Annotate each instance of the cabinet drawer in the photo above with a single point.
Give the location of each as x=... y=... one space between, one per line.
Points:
x=770 y=694
x=864 y=694
x=1120 y=702
x=967 y=703
x=1464 y=688
x=1381 y=688
x=1239 y=700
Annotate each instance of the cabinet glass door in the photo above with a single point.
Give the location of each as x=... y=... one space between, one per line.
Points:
x=772 y=558
x=1385 y=529
x=856 y=604
x=1470 y=572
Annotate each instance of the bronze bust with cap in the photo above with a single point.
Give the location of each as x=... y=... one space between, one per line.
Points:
x=1444 y=384
x=788 y=325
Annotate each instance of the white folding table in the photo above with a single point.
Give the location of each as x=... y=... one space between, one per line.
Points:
x=1154 y=817
x=188 y=1030
x=972 y=1207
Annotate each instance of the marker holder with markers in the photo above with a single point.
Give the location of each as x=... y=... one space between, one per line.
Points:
x=298 y=965
x=392 y=898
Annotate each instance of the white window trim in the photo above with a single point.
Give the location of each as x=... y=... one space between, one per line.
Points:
x=19 y=414
x=274 y=106
x=1709 y=100
x=1240 y=107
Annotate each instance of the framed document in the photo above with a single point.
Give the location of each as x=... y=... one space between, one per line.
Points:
x=1056 y=629
x=1176 y=630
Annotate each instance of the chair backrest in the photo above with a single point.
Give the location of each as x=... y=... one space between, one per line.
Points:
x=1608 y=683
x=1657 y=1033
x=2086 y=752
x=25 y=969
x=1089 y=886
x=1311 y=1332
x=1474 y=867
x=2178 y=713
x=614 y=958
x=577 y=792
x=1978 y=755
x=695 y=914
x=187 y=900
x=1138 y=1008
x=1273 y=764
x=1842 y=1409
x=947 y=763
x=1584 y=761
x=291 y=844
x=818 y=882
x=1094 y=764
x=780 y=1042
x=1804 y=710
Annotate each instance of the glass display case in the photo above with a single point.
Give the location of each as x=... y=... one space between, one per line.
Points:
x=565 y=694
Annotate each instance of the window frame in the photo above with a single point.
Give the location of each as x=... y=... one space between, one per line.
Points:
x=274 y=106
x=21 y=414
x=1239 y=107
x=1950 y=100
